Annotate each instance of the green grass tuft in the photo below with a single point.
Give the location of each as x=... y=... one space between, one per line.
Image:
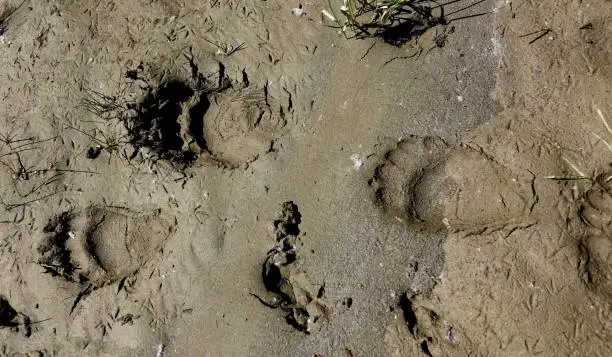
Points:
x=396 y=21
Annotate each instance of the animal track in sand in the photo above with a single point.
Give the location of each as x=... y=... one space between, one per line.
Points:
x=179 y=122
x=596 y=212
x=432 y=185
x=101 y=245
x=242 y=125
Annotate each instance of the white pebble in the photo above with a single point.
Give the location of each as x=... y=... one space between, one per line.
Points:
x=357 y=161
x=159 y=350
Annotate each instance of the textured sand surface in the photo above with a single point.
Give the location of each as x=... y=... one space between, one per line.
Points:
x=453 y=196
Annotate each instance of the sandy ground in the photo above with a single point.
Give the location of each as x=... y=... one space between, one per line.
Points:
x=457 y=202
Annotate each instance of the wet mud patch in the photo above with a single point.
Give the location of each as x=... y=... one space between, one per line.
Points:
x=289 y=288
x=100 y=245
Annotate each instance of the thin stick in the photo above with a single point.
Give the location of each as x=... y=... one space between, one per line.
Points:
x=368 y=50
x=542 y=32
x=604 y=121
x=417 y=53
x=562 y=178
x=53 y=179
x=575 y=168
x=15 y=152
x=10 y=206
x=469 y=16
x=607 y=144
x=8 y=14
x=466 y=7
x=13 y=324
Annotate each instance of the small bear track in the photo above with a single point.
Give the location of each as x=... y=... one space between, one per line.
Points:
x=101 y=245
x=432 y=185
x=242 y=125
x=232 y=123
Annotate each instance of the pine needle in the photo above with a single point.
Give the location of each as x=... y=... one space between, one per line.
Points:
x=575 y=168
x=604 y=121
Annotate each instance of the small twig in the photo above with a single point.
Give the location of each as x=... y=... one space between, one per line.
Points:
x=10 y=206
x=224 y=48
x=569 y=178
x=8 y=12
x=22 y=147
x=266 y=303
x=15 y=324
x=368 y=50
x=83 y=294
x=110 y=144
x=101 y=104
x=466 y=7
x=541 y=33
x=416 y=54
x=469 y=16
x=15 y=152
x=53 y=179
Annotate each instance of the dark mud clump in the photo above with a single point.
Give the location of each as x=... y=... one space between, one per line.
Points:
x=10 y=318
x=283 y=254
x=288 y=224
x=169 y=120
x=292 y=292
x=7 y=313
x=158 y=123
